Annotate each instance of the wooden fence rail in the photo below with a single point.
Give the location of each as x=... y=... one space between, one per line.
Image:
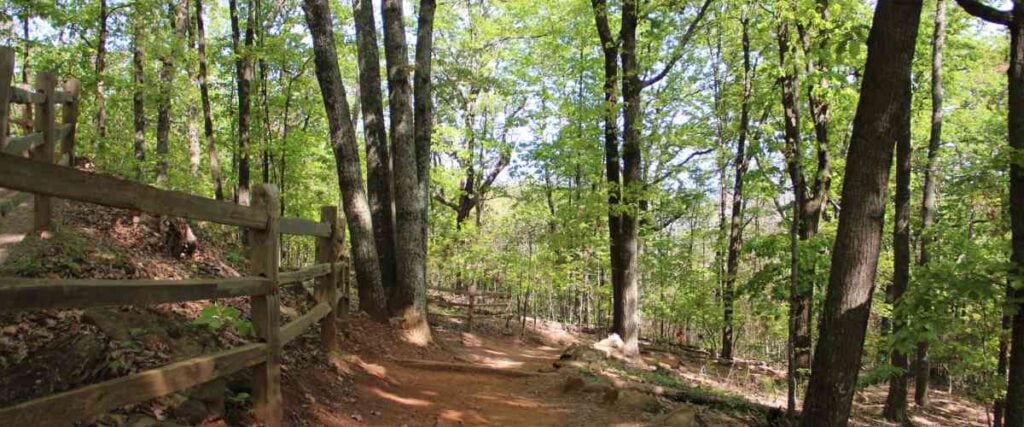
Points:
x=40 y=176
x=477 y=300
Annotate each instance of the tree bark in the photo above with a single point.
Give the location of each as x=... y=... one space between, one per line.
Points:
x=372 y=298
x=178 y=22
x=101 y=67
x=736 y=224
x=1015 y=387
x=609 y=47
x=192 y=112
x=204 y=91
x=410 y=268
x=138 y=95
x=896 y=403
x=801 y=293
x=1014 y=20
x=243 y=80
x=632 y=180
x=378 y=160
x=882 y=113
x=423 y=106
x=928 y=205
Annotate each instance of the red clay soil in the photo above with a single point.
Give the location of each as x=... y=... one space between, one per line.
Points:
x=386 y=392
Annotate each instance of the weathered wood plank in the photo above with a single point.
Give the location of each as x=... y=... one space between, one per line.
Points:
x=265 y=256
x=298 y=326
x=64 y=96
x=18 y=144
x=49 y=179
x=304 y=274
x=327 y=286
x=304 y=227
x=69 y=120
x=6 y=74
x=43 y=153
x=86 y=402
x=29 y=294
x=20 y=94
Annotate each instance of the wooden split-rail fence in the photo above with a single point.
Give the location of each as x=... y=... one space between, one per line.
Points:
x=41 y=176
x=476 y=303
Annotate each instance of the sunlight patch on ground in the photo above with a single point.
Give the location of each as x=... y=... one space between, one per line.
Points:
x=509 y=400
x=409 y=401
x=8 y=240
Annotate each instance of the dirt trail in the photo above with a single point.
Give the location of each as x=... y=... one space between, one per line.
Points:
x=396 y=394
x=16 y=222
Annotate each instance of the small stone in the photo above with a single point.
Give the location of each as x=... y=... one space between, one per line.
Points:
x=357 y=417
x=375 y=413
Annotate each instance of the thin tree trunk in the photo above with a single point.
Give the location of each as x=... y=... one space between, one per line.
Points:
x=609 y=47
x=801 y=292
x=736 y=225
x=178 y=22
x=372 y=298
x=882 y=113
x=138 y=96
x=192 y=113
x=204 y=90
x=243 y=79
x=378 y=159
x=101 y=67
x=921 y=366
x=896 y=403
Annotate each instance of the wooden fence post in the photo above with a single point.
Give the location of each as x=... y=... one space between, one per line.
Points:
x=265 y=251
x=44 y=122
x=469 y=310
x=327 y=286
x=69 y=116
x=344 y=274
x=6 y=74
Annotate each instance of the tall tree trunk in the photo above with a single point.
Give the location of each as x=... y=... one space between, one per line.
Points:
x=801 y=292
x=423 y=112
x=609 y=47
x=372 y=298
x=408 y=296
x=736 y=225
x=204 y=91
x=896 y=403
x=999 y=406
x=1015 y=387
x=882 y=113
x=378 y=159
x=922 y=368
x=101 y=67
x=243 y=79
x=632 y=180
x=178 y=22
x=138 y=94
x=192 y=112
x=1014 y=20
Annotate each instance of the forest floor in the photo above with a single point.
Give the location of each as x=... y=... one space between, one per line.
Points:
x=532 y=374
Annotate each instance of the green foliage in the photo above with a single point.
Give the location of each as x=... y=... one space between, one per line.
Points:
x=217 y=316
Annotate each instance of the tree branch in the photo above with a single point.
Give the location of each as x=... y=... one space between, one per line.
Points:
x=683 y=42
x=986 y=12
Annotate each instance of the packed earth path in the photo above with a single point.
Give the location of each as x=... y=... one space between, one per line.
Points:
x=489 y=379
